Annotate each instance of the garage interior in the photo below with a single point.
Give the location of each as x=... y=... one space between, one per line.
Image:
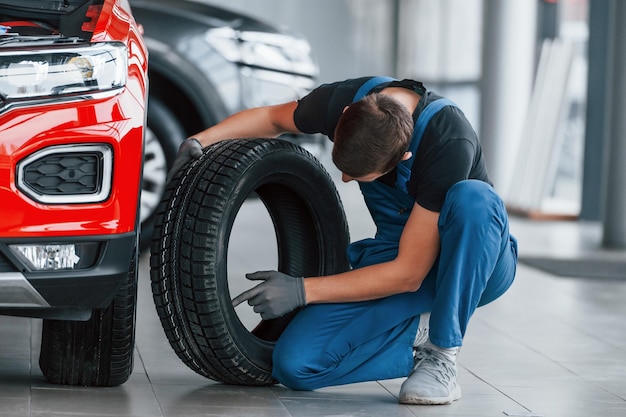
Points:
x=543 y=76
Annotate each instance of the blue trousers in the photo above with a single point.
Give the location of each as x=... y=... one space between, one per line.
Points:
x=341 y=343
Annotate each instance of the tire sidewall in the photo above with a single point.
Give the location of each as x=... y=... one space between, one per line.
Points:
x=295 y=171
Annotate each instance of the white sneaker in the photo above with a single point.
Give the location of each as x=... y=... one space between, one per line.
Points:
x=432 y=381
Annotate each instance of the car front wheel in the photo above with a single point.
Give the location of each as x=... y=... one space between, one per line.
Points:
x=96 y=352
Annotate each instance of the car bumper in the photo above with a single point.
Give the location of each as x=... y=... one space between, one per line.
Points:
x=39 y=293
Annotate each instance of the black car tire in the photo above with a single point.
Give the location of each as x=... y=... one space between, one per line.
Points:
x=164 y=135
x=188 y=254
x=97 y=352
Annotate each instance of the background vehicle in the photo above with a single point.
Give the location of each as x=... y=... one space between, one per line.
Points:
x=207 y=63
x=73 y=78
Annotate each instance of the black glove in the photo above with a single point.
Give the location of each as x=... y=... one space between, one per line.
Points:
x=190 y=149
x=276 y=296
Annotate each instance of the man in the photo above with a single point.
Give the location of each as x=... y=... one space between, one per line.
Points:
x=442 y=246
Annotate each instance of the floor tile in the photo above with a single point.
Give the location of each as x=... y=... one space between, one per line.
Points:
x=133 y=398
x=330 y=406
x=217 y=399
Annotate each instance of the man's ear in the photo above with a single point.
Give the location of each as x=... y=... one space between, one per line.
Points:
x=407 y=155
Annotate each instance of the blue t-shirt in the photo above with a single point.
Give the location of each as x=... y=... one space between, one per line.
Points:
x=448 y=153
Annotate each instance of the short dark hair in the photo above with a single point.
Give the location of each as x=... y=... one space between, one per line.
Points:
x=372 y=136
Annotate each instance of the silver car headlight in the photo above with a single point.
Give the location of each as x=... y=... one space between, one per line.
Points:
x=265 y=50
x=56 y=71
x=263 y=87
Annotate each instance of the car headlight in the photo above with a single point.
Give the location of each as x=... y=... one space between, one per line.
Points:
x=47 y=71
x=265 y=50
x=262 y=87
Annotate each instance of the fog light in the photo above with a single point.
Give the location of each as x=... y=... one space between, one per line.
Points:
x=50 y=256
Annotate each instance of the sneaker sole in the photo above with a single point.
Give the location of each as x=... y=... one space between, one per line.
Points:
x=408 y=398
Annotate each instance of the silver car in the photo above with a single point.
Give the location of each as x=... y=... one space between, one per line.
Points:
x=206 y=63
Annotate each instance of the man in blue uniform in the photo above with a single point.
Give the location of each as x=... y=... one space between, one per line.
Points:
x=442 y=246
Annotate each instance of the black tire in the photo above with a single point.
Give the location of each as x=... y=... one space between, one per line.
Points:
x=97 y=352
x=189 y=251
x=164 y=133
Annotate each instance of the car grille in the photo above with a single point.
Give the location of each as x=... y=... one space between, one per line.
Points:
x=62 y=174
x=67 y=174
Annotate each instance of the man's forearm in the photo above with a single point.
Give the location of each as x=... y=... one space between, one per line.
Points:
x=260 y=122
x=368 y=283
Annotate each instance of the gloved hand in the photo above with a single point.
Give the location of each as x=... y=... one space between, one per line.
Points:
x=276 y=296
x=188 y=150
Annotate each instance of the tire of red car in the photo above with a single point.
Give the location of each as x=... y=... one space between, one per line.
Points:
x=99 y=351
x=190 y=244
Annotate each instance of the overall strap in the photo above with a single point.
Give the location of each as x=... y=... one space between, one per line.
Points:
x=369 y=85
x=404 y=167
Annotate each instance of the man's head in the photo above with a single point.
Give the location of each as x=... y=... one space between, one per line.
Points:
x=372 y=136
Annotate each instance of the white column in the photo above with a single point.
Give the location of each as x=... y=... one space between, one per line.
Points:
x=508 y=62
x=614 y=224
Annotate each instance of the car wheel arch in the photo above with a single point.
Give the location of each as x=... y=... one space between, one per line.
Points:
x=182 y=106
x=172 y=74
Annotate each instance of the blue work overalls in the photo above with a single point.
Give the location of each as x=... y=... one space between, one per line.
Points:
x=341 y=343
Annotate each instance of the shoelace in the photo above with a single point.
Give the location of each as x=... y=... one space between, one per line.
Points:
x=429 y=362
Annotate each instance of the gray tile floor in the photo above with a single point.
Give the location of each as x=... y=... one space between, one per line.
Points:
x=552 y=346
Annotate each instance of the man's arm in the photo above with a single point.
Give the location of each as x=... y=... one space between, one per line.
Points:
x=419 y=248
x=279 y=293
x=259 y=122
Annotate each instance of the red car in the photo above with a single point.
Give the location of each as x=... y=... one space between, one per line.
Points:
x=73 y=89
